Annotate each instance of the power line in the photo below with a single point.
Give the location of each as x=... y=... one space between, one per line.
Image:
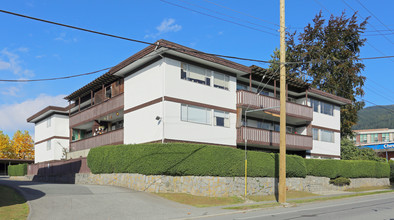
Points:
x=219 y=18
x=374 y=15
x=239 y=12
x=172 y=47
x=344 y=1
x=56 y=78
x=227 y=15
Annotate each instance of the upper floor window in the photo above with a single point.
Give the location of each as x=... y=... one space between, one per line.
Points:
x=315 y=105
x=48 y=122
x=363 y=138
x=220 y=80
x=204 y=76
x=195 y=74
x=327 y=109
x=374 y=138
x=242 y=87
x=385 y=137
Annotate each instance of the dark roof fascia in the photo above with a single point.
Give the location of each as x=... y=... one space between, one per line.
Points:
x=329 y=95
x=49 y=108
x=105 y=78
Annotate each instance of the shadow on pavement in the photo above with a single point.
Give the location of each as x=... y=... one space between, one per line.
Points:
x=28 y=193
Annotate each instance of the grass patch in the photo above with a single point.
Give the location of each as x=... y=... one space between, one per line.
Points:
x=362 y=189
x=12 y=204
x=289 y=195
x=200 y=201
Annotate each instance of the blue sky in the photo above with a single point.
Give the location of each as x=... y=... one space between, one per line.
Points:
x=32 y=50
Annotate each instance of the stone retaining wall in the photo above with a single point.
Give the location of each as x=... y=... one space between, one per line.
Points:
x=219 y=186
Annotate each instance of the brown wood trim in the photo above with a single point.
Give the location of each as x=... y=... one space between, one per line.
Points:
x=262 y=144
x=183 y=101
x=75 y=141
x=49 y=108
x=278 y=112
x=92 y=106
x=190 y=142
x=50 y=138
x=324 y=128
x=276 y=98
x=199 y=104
x=97 y=116
x=146 y=104
x=198 y=64
x=50 y=115
x=324 y=155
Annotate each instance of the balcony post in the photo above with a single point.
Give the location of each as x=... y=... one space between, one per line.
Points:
x=79 y=103
x=91 y=97
x=275 y=88
x=250 y=82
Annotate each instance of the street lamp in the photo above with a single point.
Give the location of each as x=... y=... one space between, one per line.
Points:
x=246 y=143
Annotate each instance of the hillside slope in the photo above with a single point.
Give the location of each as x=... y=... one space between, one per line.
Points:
x=375 y=117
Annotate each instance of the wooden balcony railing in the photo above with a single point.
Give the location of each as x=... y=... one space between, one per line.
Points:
x=245 y=98
x=263 y=137
x=96 y=111
x=112 y=137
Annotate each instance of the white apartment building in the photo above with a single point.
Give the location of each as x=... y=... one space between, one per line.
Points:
x=171 y=93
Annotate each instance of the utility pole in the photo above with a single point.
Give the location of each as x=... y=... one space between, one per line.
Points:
x=282 y=143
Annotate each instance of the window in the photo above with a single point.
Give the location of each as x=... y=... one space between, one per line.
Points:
x=264 y=125
x=290 y=129
x=221 y=118
x=195 y=114
x=241 y=87
x=327 y=109
x=315 y=105
x=108 y=92
x=315 y=134
x=49 y=122
x=385 y=137
x=276 y=127
x=374 y=138
x=49 y=145
x=327 y=136
x=363 y=138
x=195 y=74
x=220 y=80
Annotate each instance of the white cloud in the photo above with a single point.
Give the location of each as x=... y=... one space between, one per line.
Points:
x=14 y=116
x=167 y=25
x=62 y=37
x=10 y=61
x=10 y=91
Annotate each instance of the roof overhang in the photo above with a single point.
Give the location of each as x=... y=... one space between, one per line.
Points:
x=46 y=112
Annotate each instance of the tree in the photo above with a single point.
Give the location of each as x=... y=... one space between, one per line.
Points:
x=351 y=152
x=4 y=145
x=328 y=56
x=20 y=147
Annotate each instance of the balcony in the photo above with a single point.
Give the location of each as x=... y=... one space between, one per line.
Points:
x=266 y=138
x=93 y=112
x=293 y=110
x=111 y=137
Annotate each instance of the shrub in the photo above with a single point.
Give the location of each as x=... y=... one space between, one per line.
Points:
x=340 y=181
x=181 y=159
x=347 y=168
x=17 y=170
x=392 y=170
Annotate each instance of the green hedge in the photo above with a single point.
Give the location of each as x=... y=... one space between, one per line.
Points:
x=347 y=168
x=179 y=159
x=17 y=170
x=392 y=170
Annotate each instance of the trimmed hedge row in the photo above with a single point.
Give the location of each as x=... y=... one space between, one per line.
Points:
x=391 y=170
x=179 y=159
x=347 y=168
x=17 y=170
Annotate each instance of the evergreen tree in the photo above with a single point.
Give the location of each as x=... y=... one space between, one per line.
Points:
x=327 y=54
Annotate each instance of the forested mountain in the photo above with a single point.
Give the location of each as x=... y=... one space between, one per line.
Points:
x=375 y=117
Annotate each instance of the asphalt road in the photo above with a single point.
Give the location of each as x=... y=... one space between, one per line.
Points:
x=69 y=201
x=372 y=207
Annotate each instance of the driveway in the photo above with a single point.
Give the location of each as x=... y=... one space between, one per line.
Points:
x=69 y=201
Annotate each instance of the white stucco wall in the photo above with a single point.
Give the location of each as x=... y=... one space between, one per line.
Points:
x=59 y=127
x=163 y=78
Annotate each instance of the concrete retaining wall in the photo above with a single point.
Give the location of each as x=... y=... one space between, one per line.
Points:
x=219 y=186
